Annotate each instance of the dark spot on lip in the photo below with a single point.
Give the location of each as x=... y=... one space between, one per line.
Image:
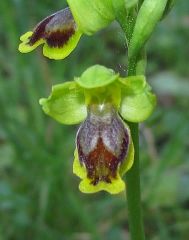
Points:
x=101 y=164
x=102 y=146
x=56 y=29
x=58 y=38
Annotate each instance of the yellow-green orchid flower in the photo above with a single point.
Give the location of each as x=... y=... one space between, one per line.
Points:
x=100 y=100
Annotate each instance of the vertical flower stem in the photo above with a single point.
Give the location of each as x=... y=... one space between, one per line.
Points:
x=136 y=65
x=133 y=191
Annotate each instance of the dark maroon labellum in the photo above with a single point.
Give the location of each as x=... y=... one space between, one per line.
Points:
x=102 y=143
x=55 y=29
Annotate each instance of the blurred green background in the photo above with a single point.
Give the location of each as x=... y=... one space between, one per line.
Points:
x=39 y=196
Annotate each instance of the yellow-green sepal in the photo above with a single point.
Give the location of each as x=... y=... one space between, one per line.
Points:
x=92 y=16
x=66 y=103
x=96 y=76
x=137 y=101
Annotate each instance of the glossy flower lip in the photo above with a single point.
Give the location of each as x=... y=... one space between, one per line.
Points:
x=103 y=143
x=58 y=32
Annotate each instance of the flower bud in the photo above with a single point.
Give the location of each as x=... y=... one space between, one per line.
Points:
x=149 y=15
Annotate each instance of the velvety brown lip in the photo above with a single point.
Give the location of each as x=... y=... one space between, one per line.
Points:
x=39 y=31
x=55 y=29
x=58 y=39
x=102 y=146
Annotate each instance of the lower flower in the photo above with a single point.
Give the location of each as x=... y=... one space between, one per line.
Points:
x=104 y=150
x=99 y=99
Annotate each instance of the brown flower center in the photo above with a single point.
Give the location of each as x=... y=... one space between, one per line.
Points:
x=56 y=29
x=102 y=143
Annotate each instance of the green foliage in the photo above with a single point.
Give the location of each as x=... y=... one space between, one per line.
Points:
x=149 y=15
x=39 y=198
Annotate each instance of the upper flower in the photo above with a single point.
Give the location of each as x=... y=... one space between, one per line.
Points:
x=104 y=148
x=58 y=32
x=61 y=31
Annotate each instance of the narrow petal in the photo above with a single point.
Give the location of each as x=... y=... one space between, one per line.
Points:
x=66 y=104
x=58 y=32
x=137 y=100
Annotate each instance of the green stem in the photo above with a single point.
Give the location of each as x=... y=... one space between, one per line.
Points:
x=135 y=66
x=133 y=191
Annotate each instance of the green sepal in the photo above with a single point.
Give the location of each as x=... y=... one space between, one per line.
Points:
x=92 y=16
x=138 y=101
x=66 y=103
x=96 y=76
x=149 y=15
